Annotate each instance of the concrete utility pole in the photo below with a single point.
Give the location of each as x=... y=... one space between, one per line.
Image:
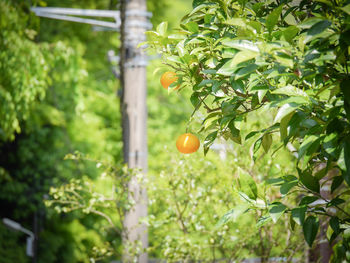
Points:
x=134 y=22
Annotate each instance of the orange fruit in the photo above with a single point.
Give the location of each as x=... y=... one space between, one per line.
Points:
x=168 y=78
x=187 y=143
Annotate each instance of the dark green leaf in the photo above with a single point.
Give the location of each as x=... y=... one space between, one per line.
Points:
x=310 y=229
x=195 y=99
x=298 y=215
x=275 y=181
x=285 y=188
x=251 y=134
x=245 y=71
x=337 y=181
x=276 y=211
x=346 y=174
x=209 y=141
x=238 y=85
x=317 y=29
x=311 y=143
x=309 y=181
x=256 y=147
x=308 y=200
x=330 y=144
x=345 y=88
x=334 y=223
x=291 y=222
x=335 y=202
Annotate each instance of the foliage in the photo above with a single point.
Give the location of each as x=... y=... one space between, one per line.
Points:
x=186 y=201
x=86 y=197
x=23 y=67
x=10 y=250
x=241 y=58
x=59 y=109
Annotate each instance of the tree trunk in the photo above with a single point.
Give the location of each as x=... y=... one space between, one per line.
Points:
x=134 y=116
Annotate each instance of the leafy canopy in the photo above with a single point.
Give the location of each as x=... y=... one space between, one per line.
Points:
x=288 y=59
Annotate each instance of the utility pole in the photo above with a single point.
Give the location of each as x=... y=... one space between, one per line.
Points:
x=134 y=22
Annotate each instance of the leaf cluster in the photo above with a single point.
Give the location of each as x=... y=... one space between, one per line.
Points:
x=288 y=59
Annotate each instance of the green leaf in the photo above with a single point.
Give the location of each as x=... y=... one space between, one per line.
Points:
x=243 y=56
x=227 y=69
x=290 y=91
x=334 y=223
x=287 y=186
x=243 y=45
x=162 y=28
x=181 y=49
x=285 y=110
x=236 y=21
x=261 y=95
x=192 y=26
x=336 y=201
x=195 y=99
x=284 y=125
x=337 y=181
x=235 y=133
x=291 y=222
x=345 y=88
x=256 y=147
x=308 y=200
x=317 y=29
x=346 y=9
x=263 y=220
x=290 y=32
x=272 y=18
x=247 y=185
x=232 y=215
x=251 y=134
x=310 y=229
x=266 y=141
x=209 y=141
x=284 y=60
x=276 y=211
x=346 y=173
x=330 y=144
x=205 y=82
x=245 y=71
x=309 y=143
x=175 y=59
x=275 y=181
x=309 y=181
x=298 y=215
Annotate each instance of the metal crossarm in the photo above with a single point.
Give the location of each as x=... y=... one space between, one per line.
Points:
x=71 y=14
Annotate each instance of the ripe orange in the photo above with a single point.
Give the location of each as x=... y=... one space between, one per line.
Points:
x=168 y=78
x=187 y=143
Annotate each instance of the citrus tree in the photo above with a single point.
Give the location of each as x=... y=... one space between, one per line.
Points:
x=287 y=59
